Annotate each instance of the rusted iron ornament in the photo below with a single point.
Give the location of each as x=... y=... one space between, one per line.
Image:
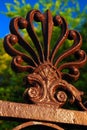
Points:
x=46 y=82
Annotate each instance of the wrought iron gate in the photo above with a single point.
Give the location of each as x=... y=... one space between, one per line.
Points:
x=48 y=87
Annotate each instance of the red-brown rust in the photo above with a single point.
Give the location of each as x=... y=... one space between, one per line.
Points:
x=44 y=112
x=46 y=76
x=35 y=123
x=46 y=82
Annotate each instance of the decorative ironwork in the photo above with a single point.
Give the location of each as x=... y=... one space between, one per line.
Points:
x=43 y=114
x=34 y=123
x=46 y=82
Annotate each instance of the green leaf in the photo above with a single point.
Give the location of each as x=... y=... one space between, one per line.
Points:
x=17 y=3
x=36 y=6
x=8 y=6
x=23 y=2
x=57 y=4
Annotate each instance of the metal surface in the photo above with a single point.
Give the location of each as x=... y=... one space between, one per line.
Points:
x=34 y=123
x=47 y=84
x=48 y=113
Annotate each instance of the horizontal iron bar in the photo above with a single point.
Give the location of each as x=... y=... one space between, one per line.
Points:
x=42 y=113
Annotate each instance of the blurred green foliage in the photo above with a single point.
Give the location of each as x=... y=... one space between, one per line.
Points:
x=11 y=84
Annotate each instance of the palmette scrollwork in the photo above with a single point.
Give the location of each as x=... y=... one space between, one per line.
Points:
x=47 y=82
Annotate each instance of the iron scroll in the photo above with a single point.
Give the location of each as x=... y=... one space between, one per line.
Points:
x=46 y=84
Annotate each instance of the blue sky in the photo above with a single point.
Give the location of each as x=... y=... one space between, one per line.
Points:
x=4 y=21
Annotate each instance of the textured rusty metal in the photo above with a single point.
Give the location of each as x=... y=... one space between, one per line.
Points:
x=48 y=87
x=49 y=113
x=34 y=123
x=46 y=83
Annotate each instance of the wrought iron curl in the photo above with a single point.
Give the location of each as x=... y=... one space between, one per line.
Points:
x=35 y=123
x=46 y=82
